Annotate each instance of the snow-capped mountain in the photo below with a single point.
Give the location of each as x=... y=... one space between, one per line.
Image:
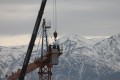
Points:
x=92 y=62
x=82 y=59
x=11 y=59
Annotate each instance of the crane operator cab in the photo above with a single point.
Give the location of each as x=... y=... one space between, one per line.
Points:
x=56 y=51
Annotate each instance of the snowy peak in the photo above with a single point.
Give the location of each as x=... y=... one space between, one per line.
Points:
x=74 y=38
x=115 y=40
x=71 y=42
x=111 y=42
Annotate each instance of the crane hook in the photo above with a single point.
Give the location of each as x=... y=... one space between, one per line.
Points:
x=55 y=35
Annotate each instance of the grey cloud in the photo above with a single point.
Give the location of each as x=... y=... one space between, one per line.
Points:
x=19 y=1
x=84 y=17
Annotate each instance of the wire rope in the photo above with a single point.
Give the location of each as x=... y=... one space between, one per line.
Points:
x=55 y=15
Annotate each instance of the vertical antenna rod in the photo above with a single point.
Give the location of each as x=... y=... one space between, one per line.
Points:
x=32 y=41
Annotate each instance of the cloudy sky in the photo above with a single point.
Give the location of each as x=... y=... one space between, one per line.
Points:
x=81 y=17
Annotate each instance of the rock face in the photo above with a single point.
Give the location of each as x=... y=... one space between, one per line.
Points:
x=82 y=59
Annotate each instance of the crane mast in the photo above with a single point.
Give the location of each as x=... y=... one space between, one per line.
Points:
x=32 y=41
x=45 y=68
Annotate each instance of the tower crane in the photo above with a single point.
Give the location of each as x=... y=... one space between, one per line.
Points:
x=49 y=56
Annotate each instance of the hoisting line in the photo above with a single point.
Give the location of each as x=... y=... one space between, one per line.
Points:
x=54 y=15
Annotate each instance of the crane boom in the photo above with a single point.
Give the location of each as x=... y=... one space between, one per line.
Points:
x=32 y=41
x=32 y=66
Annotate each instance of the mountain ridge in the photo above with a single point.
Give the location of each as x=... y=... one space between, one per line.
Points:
x=82 y=59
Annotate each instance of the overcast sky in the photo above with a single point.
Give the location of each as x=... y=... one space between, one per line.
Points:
x=81 y=17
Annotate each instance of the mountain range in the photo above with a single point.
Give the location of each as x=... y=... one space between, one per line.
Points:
x=82 y=59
